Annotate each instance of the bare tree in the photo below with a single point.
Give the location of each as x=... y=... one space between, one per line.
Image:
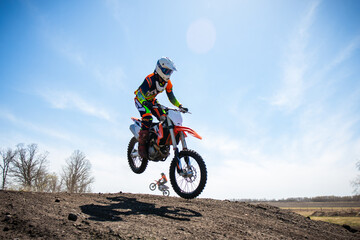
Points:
x=41 y=181
x=76 y=174
x=30 y=167
x=53 y=183
x=356 y=182
x=8 y=157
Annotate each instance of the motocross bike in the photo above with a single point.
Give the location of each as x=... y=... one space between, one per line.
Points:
x=163 y=188
x=188 y=172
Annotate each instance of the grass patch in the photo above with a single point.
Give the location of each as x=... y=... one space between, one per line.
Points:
x=333 y=212
x=353 y=222
x=305 y=213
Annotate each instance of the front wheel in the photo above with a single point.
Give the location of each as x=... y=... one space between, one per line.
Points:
x=136 y=163
x=189 y=181
x=152 y=186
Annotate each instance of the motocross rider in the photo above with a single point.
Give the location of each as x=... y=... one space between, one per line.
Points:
x=145 y=98
x=162 y=181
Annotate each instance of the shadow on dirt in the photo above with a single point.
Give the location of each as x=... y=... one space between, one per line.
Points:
x=123 y=206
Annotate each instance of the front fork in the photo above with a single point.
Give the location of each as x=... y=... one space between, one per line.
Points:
x=175 y=148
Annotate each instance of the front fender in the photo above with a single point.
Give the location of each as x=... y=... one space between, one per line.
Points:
x=178 y=129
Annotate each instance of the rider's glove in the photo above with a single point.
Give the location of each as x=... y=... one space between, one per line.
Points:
x=162 y=118
x=183 y=109
x=147 y=104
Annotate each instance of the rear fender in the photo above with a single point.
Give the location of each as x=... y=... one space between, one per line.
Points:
x=135 y=128
x=178 y=129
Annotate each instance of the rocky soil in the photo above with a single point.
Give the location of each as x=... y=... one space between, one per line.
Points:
x=28 y=215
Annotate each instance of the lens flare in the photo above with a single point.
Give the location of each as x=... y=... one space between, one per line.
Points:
x=201 y=36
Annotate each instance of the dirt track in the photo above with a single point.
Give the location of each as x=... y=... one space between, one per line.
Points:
x=27 y=215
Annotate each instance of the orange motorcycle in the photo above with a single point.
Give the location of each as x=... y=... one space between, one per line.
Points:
x=188 y=174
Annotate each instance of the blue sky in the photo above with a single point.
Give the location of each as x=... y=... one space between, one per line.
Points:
x=273 y=87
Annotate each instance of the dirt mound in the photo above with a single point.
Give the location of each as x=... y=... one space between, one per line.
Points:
x=335 y=214
x=26 y=215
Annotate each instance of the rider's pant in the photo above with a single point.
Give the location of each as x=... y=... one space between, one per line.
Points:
x=161 y=186
x=146 y=114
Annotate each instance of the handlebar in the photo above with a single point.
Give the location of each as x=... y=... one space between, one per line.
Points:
x=174 y=109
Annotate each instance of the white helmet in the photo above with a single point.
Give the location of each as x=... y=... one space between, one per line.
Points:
x=165 y=67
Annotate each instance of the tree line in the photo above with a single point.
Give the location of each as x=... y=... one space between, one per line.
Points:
x=25 y=168
x=355 y=198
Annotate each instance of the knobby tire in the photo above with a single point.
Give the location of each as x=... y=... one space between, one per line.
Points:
x=143 y=162
x=203 y=174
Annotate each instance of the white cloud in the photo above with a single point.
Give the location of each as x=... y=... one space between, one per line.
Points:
x=110 y=78
x=345 y=53
x=33 y=127
x=301 y=162
x=314 y=155
x=70 y=100
x=224 y=145
x=115 y=8
x=117 y=11
x=62 y=44
x=239 y=179
x=71 y=54
x=106 y=75
x=291 y=93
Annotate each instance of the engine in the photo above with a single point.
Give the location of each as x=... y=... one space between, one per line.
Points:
x=157 y=153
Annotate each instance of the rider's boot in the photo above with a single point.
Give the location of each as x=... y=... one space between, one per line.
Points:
x=143 y=136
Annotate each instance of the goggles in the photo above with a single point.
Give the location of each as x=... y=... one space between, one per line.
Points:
x=165 y=71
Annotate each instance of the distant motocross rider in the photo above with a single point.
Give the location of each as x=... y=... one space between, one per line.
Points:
x=161 y=182
x=145 y=98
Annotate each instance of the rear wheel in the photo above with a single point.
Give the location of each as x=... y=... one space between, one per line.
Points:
x=189 y=181
x=166 y=193
x=136 y=163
